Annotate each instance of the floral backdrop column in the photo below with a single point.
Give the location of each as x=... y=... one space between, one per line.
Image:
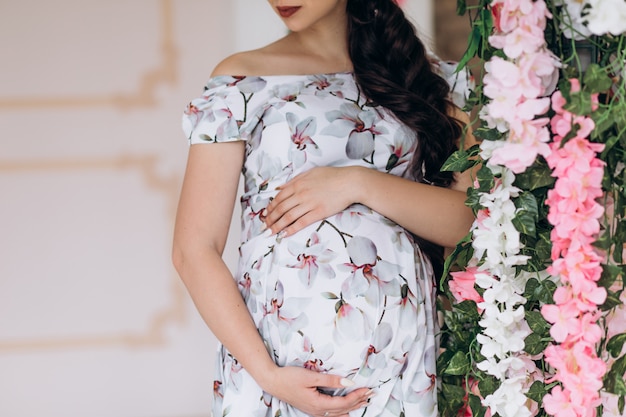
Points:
x=537 y=322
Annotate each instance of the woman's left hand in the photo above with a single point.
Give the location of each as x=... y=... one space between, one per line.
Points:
x=311 y=196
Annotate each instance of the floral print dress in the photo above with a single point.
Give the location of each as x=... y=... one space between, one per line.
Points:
x=350 y=295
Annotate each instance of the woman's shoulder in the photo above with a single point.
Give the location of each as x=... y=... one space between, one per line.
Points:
x=262 y=61
x=282 y=57
x=239 y=64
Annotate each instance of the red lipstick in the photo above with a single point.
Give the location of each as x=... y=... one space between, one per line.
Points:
x=287 y=11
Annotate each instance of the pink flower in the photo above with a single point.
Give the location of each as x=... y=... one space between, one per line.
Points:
x=538 y=74
x=558 y=101
x=563 y=319
x=587 y=329
x=462 y=285
x=558 y=403
x=521 y=40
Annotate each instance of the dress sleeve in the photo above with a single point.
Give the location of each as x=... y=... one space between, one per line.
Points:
x=220 y=114
x=461 y=83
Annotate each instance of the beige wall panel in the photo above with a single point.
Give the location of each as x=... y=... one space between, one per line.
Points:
x=93 y=320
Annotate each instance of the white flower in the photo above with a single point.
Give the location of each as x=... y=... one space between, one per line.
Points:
x=508 y=400
x=606 y=16
x=573 y=25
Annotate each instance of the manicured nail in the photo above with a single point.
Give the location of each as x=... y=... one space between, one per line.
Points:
x=369 y=394
x=264 y=212
x=263 y=227
x=281 y=235
x=346 y=382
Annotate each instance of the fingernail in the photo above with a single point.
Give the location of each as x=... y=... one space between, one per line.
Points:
x=346 y=382
x=263 y=227
x=280 y=235
x=264 y=212
x=369 y=394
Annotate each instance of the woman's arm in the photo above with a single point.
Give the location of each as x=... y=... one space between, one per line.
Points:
x=202 y=222
x=436 y=214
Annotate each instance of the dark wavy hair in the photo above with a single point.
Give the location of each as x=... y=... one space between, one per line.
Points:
x=392 y=70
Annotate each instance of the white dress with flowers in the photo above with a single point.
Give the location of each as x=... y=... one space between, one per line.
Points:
x=350 y=295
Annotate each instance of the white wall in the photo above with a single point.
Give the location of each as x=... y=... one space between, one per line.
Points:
x=93 y=320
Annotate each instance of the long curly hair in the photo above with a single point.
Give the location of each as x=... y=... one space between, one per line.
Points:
x=392 y=69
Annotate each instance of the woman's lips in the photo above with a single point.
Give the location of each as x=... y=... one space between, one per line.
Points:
x=287 y=11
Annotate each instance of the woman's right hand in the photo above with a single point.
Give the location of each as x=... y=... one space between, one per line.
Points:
x=300 y=388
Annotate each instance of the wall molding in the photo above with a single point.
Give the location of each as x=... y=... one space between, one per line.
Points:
x=144 y=96
x=154 y=334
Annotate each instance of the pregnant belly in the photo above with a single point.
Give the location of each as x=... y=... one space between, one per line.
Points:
x=345 y=295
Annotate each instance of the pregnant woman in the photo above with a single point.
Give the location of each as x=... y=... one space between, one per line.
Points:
x=340 y=129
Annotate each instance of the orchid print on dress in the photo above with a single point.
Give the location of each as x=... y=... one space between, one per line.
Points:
x=402 y=148
x=358 y=122
x=301 y=132
x=327 y=84
x=313 y=358
x=286 y=315
x=313 y=258
x=373 y=357
x=369 y=276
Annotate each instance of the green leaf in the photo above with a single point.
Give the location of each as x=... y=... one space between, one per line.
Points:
x=485 y=179
x=528 y=202
x=443 y=359
x=536 y=176
x=614 y=381
x=603 y=120
x=532 y=286
x=459 y=161
x=459 y=364
x=608 y=145
x=488 y=386
x=478 y=410
x=596 y=79
x=525 y=223
x=453 y=395
x=544 y=292
x=473 y=199
x=537 y=391
x=543 y=245
x=534 y=344
x=461 y=7
x=473 y=44
x=619 y=367
x=610 y=273
x=537 y=323
x=461 y=247
x=615 y=345
x=468 y=309
x=487 y=134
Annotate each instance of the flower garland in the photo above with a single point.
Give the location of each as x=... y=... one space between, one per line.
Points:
x=576 y=215
x=518 y=331
x=516 y=86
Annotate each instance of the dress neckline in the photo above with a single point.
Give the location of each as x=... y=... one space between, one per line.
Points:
x=321 y=74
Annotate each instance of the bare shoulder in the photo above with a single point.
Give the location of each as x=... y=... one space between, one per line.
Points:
x=271 y=59
x=281 y=57
x=241 y=63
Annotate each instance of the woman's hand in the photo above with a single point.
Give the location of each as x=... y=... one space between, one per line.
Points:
x=311 y=196
x=299 y=387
